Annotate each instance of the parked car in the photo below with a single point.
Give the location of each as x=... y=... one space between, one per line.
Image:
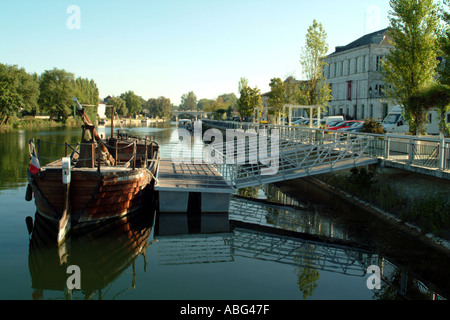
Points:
x=345 y=124
x=298 y=122
x=332 y=124
x=335 y=119
x=356 y=127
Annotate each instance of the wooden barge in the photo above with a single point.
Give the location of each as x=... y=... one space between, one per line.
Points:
x=103 y=179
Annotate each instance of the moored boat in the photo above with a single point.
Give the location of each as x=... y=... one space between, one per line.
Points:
x=102 y=179
x=185 y=124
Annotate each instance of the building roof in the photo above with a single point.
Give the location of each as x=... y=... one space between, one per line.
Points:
x=378 y=37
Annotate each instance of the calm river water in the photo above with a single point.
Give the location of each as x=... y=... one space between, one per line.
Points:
x=261 y=251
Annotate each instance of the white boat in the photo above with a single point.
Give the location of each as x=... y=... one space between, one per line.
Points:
x=185 y=124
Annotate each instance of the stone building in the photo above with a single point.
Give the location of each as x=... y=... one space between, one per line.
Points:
x=353 y=73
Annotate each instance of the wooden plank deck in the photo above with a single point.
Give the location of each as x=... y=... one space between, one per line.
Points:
x=175 y=182
x=190 y=178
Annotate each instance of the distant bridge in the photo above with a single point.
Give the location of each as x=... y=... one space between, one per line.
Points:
x=195 y=114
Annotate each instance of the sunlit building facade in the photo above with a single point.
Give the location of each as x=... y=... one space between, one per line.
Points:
x=353 y=74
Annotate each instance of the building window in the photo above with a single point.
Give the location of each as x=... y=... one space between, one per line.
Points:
x=331 y=92
x=378 y=66
x=371 y=110
x=362 y=112
x=384 y=107
x=349 y=90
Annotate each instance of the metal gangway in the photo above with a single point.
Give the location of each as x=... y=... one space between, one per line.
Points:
x=258 y=157
x=428 y=155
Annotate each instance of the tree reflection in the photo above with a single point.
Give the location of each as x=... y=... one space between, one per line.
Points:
x=307 y=275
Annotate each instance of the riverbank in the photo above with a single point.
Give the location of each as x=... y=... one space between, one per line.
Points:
x=396 y=192
x=30 y=122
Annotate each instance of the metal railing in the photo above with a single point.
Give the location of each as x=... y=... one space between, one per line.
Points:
x=75 y=153
x=428 y=152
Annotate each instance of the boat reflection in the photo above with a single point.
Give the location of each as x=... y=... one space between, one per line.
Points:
x=102 y=252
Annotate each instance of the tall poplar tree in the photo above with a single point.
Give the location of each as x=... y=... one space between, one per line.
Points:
x=316 y=90
x=411 y=65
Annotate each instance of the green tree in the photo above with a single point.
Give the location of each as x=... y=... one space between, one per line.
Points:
x=292 y=90
x=436 y=95
x=277 y=96
x=444 y=42
x=205 y=104
x=161 y=107
x=220 y=107
x=120 y=106
x=19 y=91
x=188 y=102
x=56 y=93
x=230 y=98
x=87 y=93
x=132 y=102
x=249 y=100
x=411 y=65
x=315 y=90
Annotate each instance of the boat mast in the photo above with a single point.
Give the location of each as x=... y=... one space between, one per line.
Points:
x=88 y=122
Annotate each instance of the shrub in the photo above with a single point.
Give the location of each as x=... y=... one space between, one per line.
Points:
x=372 y=126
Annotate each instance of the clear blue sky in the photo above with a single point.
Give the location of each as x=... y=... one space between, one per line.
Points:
x=168 y=48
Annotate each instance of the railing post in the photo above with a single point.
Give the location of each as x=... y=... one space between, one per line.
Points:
x=38 y=149
x=99 y=151
x=442 y=154
x=411 y=150
x=387 y=146
x=146 y=153
x=134 y=155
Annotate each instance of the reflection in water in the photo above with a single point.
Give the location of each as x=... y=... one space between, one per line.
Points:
x=179 y=243
x=102 y=252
